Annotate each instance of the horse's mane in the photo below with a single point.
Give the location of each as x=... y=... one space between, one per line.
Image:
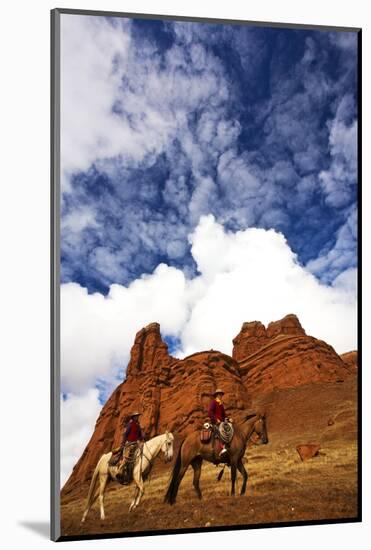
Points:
x=248 y=417
x=158 y=435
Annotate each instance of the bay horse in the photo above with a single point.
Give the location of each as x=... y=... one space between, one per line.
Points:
x=192 y=452
x=143 y=461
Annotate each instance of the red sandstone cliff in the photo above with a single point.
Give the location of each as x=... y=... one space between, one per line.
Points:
x=174 y=393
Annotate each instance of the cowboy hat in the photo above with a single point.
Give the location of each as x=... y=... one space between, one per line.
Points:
x=136 y=413
x=218 y=390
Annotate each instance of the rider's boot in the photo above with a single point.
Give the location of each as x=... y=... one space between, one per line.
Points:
x=223 y=452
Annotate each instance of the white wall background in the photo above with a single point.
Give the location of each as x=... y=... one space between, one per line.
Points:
x=24 y=288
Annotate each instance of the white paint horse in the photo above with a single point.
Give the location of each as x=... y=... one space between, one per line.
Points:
x=143 y=462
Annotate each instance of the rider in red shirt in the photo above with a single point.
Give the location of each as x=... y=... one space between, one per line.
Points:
x=133 y=431
x=217 y=413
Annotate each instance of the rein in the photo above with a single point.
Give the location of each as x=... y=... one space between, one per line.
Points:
x=151 y=454
x=149 y=460
x=142 y=452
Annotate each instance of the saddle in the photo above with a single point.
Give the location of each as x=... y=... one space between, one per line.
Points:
x=210 y=433
x=124 y=458
x=116 y=455
x=224 y=432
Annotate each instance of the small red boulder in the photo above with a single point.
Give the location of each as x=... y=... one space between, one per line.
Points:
x=308 y=450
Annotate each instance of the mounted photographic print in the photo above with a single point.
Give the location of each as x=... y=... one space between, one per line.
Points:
x=205 y=191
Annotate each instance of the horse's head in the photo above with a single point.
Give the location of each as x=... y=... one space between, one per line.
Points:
x=260 y=428
x=167 y=446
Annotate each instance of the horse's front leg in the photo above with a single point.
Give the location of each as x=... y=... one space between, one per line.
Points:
x=242 y=470
x=140 y=485
x=196 y=465
x=138 y=480
x=233 y=478
x=131 y=507
x=140 y=492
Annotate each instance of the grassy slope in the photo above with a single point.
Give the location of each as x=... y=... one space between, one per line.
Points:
x=281 y=488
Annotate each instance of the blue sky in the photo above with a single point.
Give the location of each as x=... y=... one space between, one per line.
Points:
x=255 y=125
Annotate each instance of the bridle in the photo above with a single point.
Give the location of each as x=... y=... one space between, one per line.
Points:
x=254 y=437
x=167 y=442
x=262 y=436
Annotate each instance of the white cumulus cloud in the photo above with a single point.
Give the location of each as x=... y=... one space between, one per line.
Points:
x=247 y=275
x=254 y=275
x=97 y=332
x=78 y=417
x=124 y=101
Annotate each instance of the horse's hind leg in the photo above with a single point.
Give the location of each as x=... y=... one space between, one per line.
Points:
x=242 y=470
x=92 y=495
x=103 y=478
x=183 y=460
x=89 y=505
x=196 y=465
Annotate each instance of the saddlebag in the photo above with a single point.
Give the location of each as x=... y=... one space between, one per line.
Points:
x=205 y=435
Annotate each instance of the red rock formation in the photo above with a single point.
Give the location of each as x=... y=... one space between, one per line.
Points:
x=253 y=336
x=289 y=361
x=174 y=393
x=283 y=356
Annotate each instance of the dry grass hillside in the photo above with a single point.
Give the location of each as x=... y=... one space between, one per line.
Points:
x=281 y=487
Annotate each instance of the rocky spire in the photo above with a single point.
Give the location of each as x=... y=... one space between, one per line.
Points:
x=149 y=352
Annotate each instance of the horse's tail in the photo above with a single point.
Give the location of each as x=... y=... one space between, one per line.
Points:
x=91 y=489
x=173 y=487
